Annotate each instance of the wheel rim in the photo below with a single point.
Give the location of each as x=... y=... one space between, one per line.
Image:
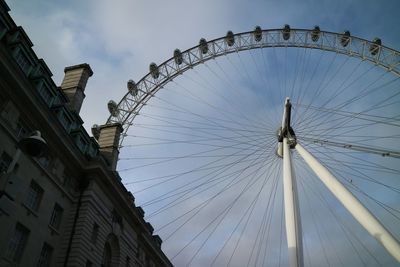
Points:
x=346 y=117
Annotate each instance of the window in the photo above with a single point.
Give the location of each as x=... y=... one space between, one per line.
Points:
x=46 y=95
x=81 y=143
x=141 y=255
x=10 y=113
x=65 y=179
x=44 y=162
x=17 y=243
x=21 y=130
x=128 y=262
x=95 y=233
x=65 y=121
x=45 y=256
x=3 y=28
x=5 y=162
x=107 y=255
x=34 y=196
x=56 y=216
x=23 y=61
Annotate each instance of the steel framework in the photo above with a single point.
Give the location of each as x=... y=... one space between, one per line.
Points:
x=389 y=59
x=133 y=101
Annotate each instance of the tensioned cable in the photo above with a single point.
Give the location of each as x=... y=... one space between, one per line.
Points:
x=205 y=202
x=248 y=211
x=264 y=76
x=339 y=222
x=172 y=176
x=216 y=178
x=241 y=73
x=202 y=166
x=281 y=231
x=255 y=199
x=213 y=90
x=322 y=198
x=296 y=71
x=249 y=184
x=313 y=220
x=355 y=187
x=351 y=119
x=336 y=254
x=159 y=127
x=271 y=75
x=264 y=225
x=268 y=216
x=259 y=100
x=358 y=189
x=342 y=88
x=211 y=120
x=186 y=111
x=245 y=134
x=386 y=207
x=366 y=92
x=259 y=119
x=246 y=224
x=321 y=88
x=351 y=146
x=344 y=121
x=357 y=115
x=266 y=88
x=225 y=188
x=166 y=118
x=314 y=72
x=302 y=88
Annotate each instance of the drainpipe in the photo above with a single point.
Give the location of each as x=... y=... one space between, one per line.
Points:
x=82 y=187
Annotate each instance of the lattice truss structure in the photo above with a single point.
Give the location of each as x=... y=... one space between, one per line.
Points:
x=139 y=93
x=203 y=156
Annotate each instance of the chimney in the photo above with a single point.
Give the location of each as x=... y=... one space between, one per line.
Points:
x=109 y=143
x=74 y=84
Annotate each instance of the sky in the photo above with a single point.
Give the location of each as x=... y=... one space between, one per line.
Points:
x=119 y=39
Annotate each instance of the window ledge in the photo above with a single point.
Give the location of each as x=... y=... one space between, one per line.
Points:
x=29 y=210
x=54 y=231
x=9 y=261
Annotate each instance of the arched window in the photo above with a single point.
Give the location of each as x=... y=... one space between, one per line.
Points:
x=111 y=252
x=107 y=254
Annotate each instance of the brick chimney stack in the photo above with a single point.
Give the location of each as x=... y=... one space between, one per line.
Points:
x=74 y=84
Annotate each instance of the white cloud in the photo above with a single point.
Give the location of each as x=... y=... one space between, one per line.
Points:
x=120 y=38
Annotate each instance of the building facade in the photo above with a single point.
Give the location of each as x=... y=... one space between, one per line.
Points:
x=68 y=206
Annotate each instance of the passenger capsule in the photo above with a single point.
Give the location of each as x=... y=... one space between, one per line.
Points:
x=257 y=33
x=230 y=38
x=375 y=46
x=96 y=131
x=286 y=32
x=112 y=108
x=178 y=56
x=315 y=34
x=154 y=70
x=203 y=46
x=132 y=87
x=344 y=41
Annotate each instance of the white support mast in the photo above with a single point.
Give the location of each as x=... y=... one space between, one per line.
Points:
x=286 y=141
x=352 y=204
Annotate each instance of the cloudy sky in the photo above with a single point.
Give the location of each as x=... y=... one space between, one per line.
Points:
x=120 y=38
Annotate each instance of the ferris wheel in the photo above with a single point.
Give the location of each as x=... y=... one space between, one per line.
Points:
x=268 y=148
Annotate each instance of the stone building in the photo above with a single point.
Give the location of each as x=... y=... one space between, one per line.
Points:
x=66 y=207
